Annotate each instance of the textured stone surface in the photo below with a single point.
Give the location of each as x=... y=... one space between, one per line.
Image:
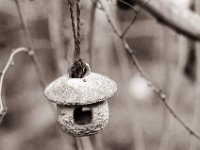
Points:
x=100 y=117
x=91 y=89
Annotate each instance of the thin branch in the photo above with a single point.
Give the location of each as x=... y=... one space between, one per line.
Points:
x=130 y=25
x=32 y=53
x=129 y=5
x=91 y=30
x=3 y=72
x=132 y=107
x=86 y=143
x=32 y=48
x=78 y=144
x=139 y=68
x=134 y=18
x=177 y=78
x=55 y=24
x=98 y=6
x=180 y=20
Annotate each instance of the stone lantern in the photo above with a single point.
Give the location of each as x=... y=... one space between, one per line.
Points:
x=82 y=108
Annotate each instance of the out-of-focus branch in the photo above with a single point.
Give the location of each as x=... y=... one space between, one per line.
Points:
x=181 y=20
x=177 y=78
x=196 y=113
x=134 y=18
x=132 y=107
x=91 y=30
x=139 y=68
x=32 y=48
x=130 y=25
x=129 y=5
x=32 y=51
x=2 y=75
x=55 y=23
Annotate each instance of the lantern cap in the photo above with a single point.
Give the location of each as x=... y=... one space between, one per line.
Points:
x=92 y=88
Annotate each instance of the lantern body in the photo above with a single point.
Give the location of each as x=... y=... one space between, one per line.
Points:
x=83 y=120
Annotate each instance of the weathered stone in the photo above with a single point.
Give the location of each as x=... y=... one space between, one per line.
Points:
x=100 y=117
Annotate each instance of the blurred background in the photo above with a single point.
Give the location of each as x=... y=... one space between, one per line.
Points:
x=138 y=118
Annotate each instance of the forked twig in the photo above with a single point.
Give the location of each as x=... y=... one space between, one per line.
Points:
x=3 y=72
x=139 y=68
x=130 y=25
x=134 y=18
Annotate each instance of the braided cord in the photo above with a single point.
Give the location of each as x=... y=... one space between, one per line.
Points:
x=76 y=32
x=77 y=52
x=79 y=68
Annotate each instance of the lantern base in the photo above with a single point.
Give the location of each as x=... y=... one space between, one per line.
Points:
x=83 y=120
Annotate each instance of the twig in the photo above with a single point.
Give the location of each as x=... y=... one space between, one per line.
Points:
x=166 y=13
x=139 y=68
x=32 y=48
x=3 y=72
x=32 y=53
x=129 y=5
x=86 y=143
x=91 y=30
x=175 y=87
x=130 y=25
x=78 y=145
x=132 y=106
x=55 y=23
x=134 y=18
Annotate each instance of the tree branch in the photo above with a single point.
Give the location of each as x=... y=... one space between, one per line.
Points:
x=183 y=21
x=55 y=23
x=2 y=75
x=139 y=68
x=134 y=18
x=91 y=30
x=29 y=39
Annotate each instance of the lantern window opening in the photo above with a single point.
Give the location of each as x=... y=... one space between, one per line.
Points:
x=83 y=115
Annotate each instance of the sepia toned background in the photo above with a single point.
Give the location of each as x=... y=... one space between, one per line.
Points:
x=138 y=118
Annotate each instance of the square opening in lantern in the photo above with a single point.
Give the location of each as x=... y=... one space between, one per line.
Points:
x=82 y=115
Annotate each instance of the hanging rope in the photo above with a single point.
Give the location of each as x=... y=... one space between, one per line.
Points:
x=78 y=68
x=78 y=38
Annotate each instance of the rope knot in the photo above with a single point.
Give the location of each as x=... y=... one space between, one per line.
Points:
x=78 y=69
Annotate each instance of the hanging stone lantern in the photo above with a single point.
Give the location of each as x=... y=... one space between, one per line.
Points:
x=82 y=108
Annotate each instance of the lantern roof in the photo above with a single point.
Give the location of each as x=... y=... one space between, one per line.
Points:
x=92 y=88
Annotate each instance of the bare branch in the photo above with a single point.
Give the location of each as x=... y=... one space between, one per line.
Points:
x=139 y=68
x=174 y=89
x=129 y=5
x=181 y=20
x=32 y=49
x=3 y=72
x=129 y=26
x=91 y=30
x=134 y=18
x=55 y=23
